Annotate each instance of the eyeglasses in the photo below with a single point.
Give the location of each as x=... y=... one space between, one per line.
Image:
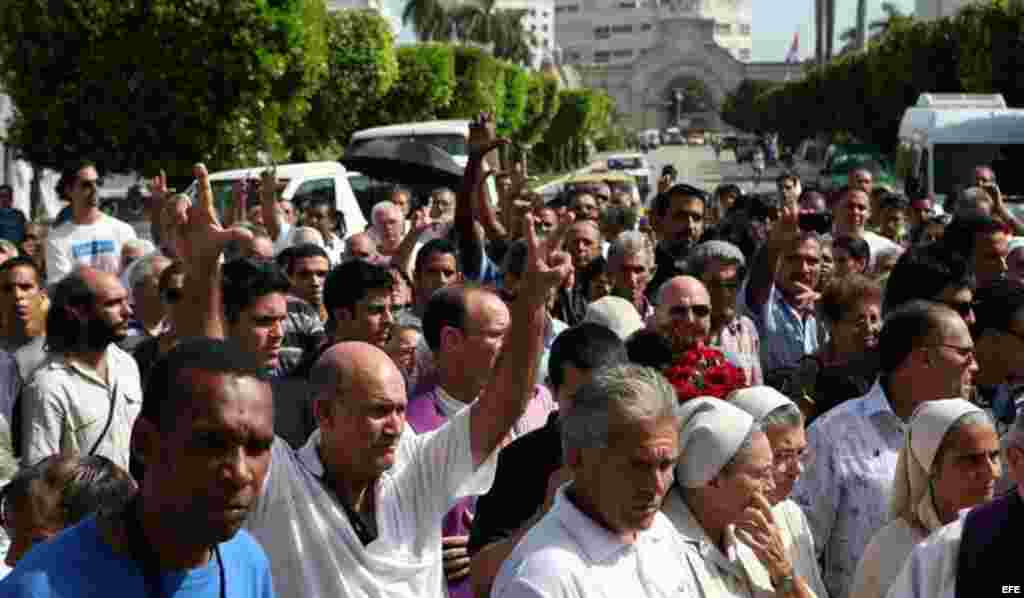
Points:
x=964 y=352
x=699 y=311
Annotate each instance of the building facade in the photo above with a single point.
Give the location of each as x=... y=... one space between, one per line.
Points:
x=642 y=51
x=540 y=22
x=621 y=31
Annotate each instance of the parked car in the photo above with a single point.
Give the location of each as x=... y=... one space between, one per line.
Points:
x=673 y=136
x=746 y=148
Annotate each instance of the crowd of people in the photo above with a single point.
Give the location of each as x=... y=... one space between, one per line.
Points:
x=792 y=394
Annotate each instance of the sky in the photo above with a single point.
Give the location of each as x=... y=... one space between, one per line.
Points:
x=775 y=22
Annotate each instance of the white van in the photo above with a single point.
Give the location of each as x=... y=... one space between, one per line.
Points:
x=301 y=182
x=944 y=136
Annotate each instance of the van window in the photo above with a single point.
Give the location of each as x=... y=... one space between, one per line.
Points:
x=452 y=143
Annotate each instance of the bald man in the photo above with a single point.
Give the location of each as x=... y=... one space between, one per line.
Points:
x=85 y=398
x=683 y=312
x=337 y=518
x=360 y=246
x=388 y=227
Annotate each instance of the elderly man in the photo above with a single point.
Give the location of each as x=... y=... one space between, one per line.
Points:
x=388 y=227
x=442 y=205
x=925 y=353
x=583 y=242
x=144 y=292
x=683 y=313
x=604 y=534
x=631 y=265
x=968 y=556
x=721 y=267
x=719 y=506
x=779 y=293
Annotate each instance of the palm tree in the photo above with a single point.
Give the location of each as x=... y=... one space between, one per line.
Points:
x=892 y=14
x=513 y=43
x=430 y=19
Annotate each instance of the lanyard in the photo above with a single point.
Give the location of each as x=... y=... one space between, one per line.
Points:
x=148 y=559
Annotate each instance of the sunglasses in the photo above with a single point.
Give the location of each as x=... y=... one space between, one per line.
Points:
x=699 y=311
x=963 y=308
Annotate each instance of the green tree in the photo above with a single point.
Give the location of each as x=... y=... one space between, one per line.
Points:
x=425 y=86
x=479 y=85
x=517 y=89
x=362 y=67
x=740 y=108
x=140 y=83
x=542 y=103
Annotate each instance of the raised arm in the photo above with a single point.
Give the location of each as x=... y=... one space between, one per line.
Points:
x=203 y=241
x=482 y=140
x=766 y=262
x=505 y=398
x=268 y=204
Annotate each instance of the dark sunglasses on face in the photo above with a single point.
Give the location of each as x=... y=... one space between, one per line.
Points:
x=963 y=308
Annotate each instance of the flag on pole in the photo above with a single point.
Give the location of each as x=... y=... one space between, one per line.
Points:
x=793 y=56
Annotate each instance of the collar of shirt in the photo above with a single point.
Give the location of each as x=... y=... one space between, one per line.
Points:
x=599 y=544
x=448 y=404
x=90 y=373
x=876 y=402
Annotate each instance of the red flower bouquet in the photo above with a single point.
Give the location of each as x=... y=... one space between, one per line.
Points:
x=704 y=372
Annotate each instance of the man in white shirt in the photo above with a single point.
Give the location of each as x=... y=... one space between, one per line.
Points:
x=85 y=397
x=605 y=535
x=90 y=238
x=851 y=215
x=925 y=353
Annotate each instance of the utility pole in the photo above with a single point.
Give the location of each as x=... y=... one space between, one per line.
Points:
x=830 y=28
x=819 y=33
x=678 y=97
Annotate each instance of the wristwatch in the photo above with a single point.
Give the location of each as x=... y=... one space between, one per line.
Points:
x=786 y=585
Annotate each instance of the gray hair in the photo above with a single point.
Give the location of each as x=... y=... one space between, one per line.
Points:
x=307 y=234
x=743 y=452
x=635 y=393
x=783 y=416
x=630 y=242
x=382 y=206
x=703 y=254
x=974 y=418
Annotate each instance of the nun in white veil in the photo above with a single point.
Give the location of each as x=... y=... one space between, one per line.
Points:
x=949 y=461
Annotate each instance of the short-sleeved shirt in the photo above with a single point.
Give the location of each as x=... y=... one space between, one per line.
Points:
x=66 y=408
x=567 y=554
x=313 y=548
x=79 y=563
x=97 y=245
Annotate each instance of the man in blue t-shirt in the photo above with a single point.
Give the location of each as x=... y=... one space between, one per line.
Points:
x=204 y=435
x=12 y=220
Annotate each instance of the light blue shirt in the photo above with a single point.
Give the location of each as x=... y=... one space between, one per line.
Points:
x=786 y=335
x=845 y=492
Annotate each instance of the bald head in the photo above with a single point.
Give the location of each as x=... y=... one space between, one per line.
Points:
x=674 y=289
x=360 y=246
x=347 y=370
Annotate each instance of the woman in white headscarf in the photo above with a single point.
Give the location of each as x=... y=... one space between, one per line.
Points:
x=949 y=461
x=730 y=543
x=783 y=423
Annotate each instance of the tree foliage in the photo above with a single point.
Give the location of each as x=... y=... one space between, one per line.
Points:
x=362 y=68
x=425 y=86
x=135 y=83
x=517 y=88
x=479 y=84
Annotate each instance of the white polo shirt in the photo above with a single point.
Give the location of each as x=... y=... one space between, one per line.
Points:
x=567 y=554
x=315 y=553
x=66 y=406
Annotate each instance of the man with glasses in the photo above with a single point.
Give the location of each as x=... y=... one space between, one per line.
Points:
x=683 y=313
x=90 y=237
x=677 y=216
x=722 y=267
x=925 y=353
